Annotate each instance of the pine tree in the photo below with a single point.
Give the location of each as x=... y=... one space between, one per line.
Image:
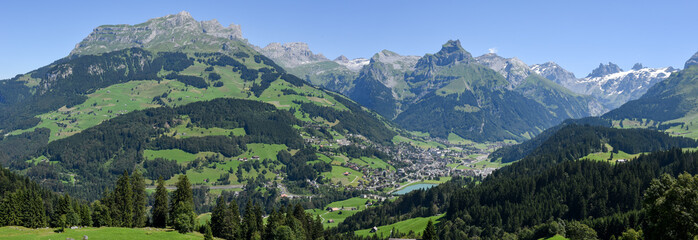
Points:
x=101 y=216
x=139 y=199
x=65 y=208
x=273 y=221
x=85 y=215
x=29 y=208
x=208 y=235
x=249 y=226
x=218 y=218
x=258 y=219
x=160 y=206
x=183 y=218
x=8 y=214
x=429 y=232
x=123 y=202
x=234 y=219
x=182 y=211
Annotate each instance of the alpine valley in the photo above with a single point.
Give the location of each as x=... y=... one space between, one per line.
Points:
x=179 y=124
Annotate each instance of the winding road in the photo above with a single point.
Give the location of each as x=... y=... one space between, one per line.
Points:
x=200 y=186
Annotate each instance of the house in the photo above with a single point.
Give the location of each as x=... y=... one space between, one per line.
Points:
x=330 y=221
x=346 y=173
x=255 y=157
x=374 y=229
x=332 y=209
x=621 y=160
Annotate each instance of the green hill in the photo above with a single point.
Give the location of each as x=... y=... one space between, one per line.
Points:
x=116 y=105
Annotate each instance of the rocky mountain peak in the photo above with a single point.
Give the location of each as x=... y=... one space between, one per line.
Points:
x=554 y=72
x=638 y=66
x=292 y=54
x=341 y=58
x=513 y=69
x=174 y=32
x=605 y=69
x=396 y=60
x=692 y=62
x=452 y=52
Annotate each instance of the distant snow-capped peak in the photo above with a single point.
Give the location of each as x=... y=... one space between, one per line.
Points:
x=353 y=64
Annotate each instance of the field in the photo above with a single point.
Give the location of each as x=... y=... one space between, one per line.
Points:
x=178 y=155
x=688 y=130
x=346 y=206
x=95 y=233
x=337 y=175
x=211 y=173
x=458 y=140
x=182 y=131
x=415 y=224
x=417 y=143
x=372 y=162
x=557 y=237
x=605 y=156
x=203 y=218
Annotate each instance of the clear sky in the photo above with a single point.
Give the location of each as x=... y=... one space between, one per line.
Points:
x=578 y=35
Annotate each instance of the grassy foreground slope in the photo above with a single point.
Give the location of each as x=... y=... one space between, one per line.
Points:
x=95 y=233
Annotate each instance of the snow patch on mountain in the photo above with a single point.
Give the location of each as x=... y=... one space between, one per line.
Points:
x=352 y=64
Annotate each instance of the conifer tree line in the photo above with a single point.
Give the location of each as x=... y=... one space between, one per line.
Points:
x=284 y=223
x=25 y=203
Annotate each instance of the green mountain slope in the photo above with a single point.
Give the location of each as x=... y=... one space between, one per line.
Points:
x=558 y=99
x=455 y=94
x=80 y=121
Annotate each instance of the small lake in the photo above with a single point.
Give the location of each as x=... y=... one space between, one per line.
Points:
x=414 y=187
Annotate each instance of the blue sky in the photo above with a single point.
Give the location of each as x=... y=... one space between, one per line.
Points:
x=578 y=35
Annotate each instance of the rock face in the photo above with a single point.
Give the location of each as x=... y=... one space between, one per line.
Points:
x=670 y=99
x=292 y=54
x=381 y=84
x=556 y=73
x=178 y=32
x=604 y=69
x=692 y=61
x=298 y=59
x=608 y=83
x=513 y=69
x=535 y=85
x=617 y=88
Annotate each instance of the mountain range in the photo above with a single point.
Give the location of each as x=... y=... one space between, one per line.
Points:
x=608 y=83
x=405 y=88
